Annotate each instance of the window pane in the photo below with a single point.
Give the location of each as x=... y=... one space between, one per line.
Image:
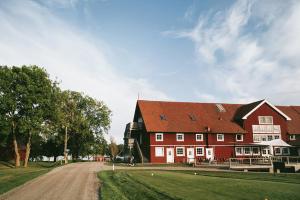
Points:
x=159 y=151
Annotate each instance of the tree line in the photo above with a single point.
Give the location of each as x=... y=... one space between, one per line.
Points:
x=44 y=120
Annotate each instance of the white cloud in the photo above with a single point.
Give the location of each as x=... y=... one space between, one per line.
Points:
x=250 y=51
x=31 y=34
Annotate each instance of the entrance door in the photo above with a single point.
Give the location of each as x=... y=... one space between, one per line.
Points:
x=210 y=153
x=170 y=155
x=190 y=155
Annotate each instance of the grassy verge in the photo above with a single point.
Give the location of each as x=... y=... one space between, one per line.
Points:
x=11 y=177
x=141 y=184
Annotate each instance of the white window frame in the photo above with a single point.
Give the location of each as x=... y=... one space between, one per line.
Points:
x=162 y=137
x=178 y=134
x=201 y=139
x=220 y=140
x=183 y=151
x=264 y=117
x=293 y=137
x=247 y=154
x=156 y=151
x=240 y=139
x=239 y=154
x=202 y=154
x=280 y=151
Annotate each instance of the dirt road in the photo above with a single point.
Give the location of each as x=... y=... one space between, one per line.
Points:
x=74 y=181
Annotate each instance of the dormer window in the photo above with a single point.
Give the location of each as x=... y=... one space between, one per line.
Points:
x=265 y=119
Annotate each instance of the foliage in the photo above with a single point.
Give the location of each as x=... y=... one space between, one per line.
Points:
x=36 y=113
x=113 y=148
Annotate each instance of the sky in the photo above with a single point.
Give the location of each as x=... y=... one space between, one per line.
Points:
x=196 y=51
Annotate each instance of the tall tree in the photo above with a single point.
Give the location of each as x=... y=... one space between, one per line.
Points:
x=38 y=103
x=11 y=90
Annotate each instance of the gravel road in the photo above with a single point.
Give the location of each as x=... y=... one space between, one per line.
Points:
x=74 y=181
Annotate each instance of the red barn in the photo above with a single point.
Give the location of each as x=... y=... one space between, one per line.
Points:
x=172 y=132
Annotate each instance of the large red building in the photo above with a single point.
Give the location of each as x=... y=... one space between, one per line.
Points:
x=168 y=132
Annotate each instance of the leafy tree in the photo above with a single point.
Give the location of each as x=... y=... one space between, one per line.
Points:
x=38 y=103
x=11 y=90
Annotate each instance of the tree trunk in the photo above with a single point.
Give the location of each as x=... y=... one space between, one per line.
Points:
x=28 y=145
x=16 y=149
x=66 y=145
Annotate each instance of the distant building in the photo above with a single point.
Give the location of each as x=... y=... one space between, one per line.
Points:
x=173 y=132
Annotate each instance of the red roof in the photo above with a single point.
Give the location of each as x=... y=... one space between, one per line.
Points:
x=294 y=113
x=197 y=117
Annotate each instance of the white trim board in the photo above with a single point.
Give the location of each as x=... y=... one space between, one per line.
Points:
x=271 y=105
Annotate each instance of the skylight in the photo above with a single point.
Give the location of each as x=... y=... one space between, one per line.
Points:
x=163 y=117
x=220 y=107
x=192 y=117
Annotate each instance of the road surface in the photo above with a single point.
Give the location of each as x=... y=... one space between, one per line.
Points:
x=71 y=182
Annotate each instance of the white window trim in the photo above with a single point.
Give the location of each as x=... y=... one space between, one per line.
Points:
x=239 y=154
x=177 y=134
x=258 y=152
x=163 y=152
x=162 y=137
x=293 y=137
x=222 y=140
x=280 y=153
x=201 y=137
x=259 y=117
x=241 y=139
x=202 y=151
x=182 y=151
x=250 y=151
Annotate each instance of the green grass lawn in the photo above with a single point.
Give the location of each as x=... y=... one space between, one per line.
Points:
x=205 y=185
x=11 y=177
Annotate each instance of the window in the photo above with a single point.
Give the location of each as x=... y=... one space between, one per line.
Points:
x=255 y=151
x=292 y=137
x=256 y=138
x=270 y=137
x=140 y=120
x=159 y=137
x=179 y=137
x=199 y=151
x=180 y=151
x=285 y=151
x=159 y=151
x=199 y=137
x=239 y=151
x=277 y=151
x=220 y=137
x=239 y=137
x=276 y=137
x=263 y=138
x=247 y=150
x=265 y=119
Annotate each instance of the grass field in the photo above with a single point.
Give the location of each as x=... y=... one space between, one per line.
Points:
x=11 y=177
x=205 y=185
